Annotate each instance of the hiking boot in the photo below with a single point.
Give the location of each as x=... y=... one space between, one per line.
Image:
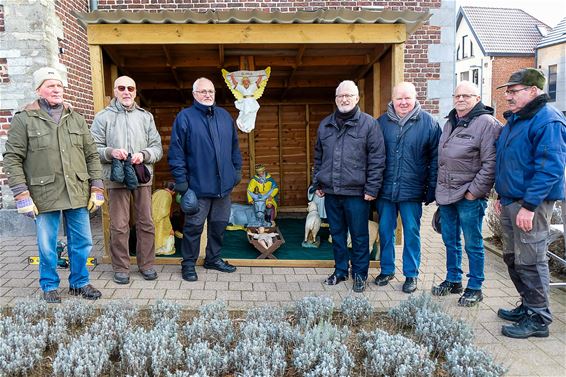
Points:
x=335 y=279
x=121 y=278
x=410 y=285
x=531 y=325
x=515 y=315
x=359 y=284
x=445 y=288
x=149 y=274
x=88 y=292
x=470 y=297
x=52 y=297
x=383 y=279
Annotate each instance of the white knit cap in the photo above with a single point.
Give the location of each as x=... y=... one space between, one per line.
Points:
x=45 y=73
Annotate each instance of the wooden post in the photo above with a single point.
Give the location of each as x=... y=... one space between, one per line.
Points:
x=308 y=146
x=397 y=63
x=376 y=91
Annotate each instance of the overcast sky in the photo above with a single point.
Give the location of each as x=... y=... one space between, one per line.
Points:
x=551 y=12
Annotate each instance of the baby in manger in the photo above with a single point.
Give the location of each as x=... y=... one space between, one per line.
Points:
x=264 y=239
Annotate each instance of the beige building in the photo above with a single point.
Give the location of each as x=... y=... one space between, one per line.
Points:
x=551 y=59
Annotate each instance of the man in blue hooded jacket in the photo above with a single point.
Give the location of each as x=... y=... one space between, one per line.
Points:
x=529 y=178
x=204 y=156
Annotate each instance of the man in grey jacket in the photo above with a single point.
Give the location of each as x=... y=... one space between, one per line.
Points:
x=466 y=172
x=124 y=131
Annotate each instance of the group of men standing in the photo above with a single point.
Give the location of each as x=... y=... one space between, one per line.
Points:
x=56 y=166
x=404 y=159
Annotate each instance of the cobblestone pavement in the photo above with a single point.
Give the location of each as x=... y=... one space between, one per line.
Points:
x=253 y=286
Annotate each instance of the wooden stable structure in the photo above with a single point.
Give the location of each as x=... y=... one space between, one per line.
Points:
x=309 y=53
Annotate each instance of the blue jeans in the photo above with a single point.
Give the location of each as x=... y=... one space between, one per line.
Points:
x=411 y=213
x=464 y=216
x=349 y=213
x=79 y=244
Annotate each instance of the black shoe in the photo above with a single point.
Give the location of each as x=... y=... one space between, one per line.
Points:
x=359 y=284
x=149 y=274
x=445 y=288
x=52 y=297
x=410 y=285
x=220 y=265
x=515 y=315
x=88 y=292
x=121 y=278
x=189 y=274
x=334 y=279
x=531 y=325
x=470 y=297
x=383 y=279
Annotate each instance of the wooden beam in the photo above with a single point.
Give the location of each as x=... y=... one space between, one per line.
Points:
x=397 y=63
x=97 y=73
x=280 y=148
x=118 y=34
x=376 y=91
x=220 y=55
x=378 y=52
x=174 y=73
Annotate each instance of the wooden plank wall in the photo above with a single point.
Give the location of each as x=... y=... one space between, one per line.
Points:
x=284 y=139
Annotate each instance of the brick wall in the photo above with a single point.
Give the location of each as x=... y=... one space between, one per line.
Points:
x=502 y=68
x=417 y=68
x=74 y=54
x=1 y=17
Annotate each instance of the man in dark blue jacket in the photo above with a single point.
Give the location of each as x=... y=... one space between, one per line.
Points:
x=204 y=156
x=349 y=159
x=411 y=141
x=529 y=178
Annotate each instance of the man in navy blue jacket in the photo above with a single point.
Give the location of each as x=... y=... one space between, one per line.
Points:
x=411 y=140
x=349 y=158
x=529 y=178
x=204 y=156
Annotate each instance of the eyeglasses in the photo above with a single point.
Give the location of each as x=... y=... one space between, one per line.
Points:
x=512 y=92
x=121 y=88
x=205 y=92
x=345 y=96
x=464 y=96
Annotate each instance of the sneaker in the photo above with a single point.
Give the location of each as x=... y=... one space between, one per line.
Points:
x=470 y=297
x=383 y=279
x=531 y=325
x=121 y=278
x=52 y=297
x=359 y=284
x=446 y=287
x=515 y=315
x=149 y=274
x=88 y=292
x=335 y=279
x=219 y=265
x=410 y=285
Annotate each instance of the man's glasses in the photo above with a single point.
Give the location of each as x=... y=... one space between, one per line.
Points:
x=345 y=96
x=121 y=88
x=464 y=96
x=512 y=92
x=205 y=92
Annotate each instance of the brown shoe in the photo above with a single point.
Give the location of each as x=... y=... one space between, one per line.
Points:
x=52 y=297
x=88 y=292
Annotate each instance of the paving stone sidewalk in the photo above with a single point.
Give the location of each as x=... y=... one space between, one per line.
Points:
x=253 y=286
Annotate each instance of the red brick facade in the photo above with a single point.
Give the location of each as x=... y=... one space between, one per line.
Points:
x=1 y=18
x=502 y=68
x=75 y=56
x=4 y=77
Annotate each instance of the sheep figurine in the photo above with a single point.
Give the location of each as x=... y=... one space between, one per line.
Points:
x=312 y=226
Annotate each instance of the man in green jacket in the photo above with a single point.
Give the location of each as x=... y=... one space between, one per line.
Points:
x=53 y=168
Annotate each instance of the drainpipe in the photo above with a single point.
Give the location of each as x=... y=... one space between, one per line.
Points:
x=93 y=5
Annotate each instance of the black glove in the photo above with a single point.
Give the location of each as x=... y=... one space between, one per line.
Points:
x=182 y=187
x=238 y=176
x=429 y=196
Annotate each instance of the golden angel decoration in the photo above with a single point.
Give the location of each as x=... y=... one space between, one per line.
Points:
x=247 y=87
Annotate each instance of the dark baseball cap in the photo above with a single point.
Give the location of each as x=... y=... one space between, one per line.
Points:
x=526 y=76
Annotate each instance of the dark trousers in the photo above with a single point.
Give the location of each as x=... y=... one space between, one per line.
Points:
x=349 y=213
x=119 y=206
x=525 y=256
x=216 y=211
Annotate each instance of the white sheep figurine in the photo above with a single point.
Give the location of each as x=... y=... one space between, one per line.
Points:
x=312 y=226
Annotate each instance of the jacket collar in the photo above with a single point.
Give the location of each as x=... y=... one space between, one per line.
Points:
x=413 y=114
x=530 y=109
x=34 y=106
x=476 y=111
x=116 y=106
x=208 y=110
x=349 y=122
